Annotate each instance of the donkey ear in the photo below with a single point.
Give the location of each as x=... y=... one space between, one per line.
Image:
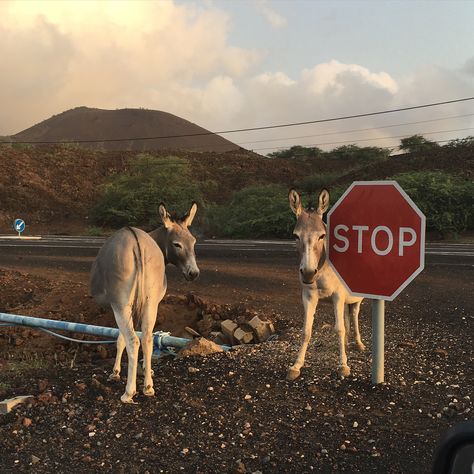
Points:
x=295 y=202
x=165 y=217
x=188 y=218
x=323 y=202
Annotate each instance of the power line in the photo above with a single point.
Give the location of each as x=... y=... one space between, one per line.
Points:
x=357 y=130
x=250 y=129
x=366 y=139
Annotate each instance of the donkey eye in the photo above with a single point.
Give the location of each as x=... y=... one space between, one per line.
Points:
x=321 y=237
x=177 y=245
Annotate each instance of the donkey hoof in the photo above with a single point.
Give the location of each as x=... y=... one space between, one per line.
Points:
x=127 y=398
x=344 y=371
x=114 y=376
x=149 y=391
x=360 y=347
x=292 y=374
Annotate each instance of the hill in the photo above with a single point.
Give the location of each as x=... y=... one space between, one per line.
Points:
x=55 y=188
x=83 y=123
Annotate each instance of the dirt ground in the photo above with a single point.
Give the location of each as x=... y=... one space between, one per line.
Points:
x=235 y=412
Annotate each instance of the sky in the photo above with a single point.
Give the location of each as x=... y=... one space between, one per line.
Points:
x=237 y=64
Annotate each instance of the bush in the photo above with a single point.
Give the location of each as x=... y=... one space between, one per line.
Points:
x=345 y=152
x=354 y=152
x=446 y=201
x=297 y=151
x=133 y=197
x=254 y=212
x=458 y=143
x=316 y=182
x=417 y=144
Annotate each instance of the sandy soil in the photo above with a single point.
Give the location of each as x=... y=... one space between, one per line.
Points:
x=235 y=412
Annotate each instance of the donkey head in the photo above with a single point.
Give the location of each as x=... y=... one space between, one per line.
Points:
x=179 y=242
x=310 y=235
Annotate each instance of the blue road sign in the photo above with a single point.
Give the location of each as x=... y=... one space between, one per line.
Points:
x=19 y=225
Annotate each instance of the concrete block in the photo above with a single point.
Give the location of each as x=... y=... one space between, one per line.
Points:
x=6 y=406
x=262 y=329
x=243 y=337
x=228 y=327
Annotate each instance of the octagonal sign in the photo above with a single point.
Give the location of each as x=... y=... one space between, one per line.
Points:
x=376 y=239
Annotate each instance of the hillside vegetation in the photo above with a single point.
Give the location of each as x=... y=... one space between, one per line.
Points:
x=241 y=194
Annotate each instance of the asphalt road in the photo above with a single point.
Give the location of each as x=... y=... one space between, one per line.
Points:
x=64 y=247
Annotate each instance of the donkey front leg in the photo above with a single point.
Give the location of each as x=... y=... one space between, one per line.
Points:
x=115 y=375
x=310 y=301
x=340 y=329
x=354 y=310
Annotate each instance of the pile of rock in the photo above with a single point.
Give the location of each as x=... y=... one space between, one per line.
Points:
x=229 y=324
x=253 y=331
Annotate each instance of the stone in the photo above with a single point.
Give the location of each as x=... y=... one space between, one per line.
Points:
x=228 y=328
x=192 y=331
x=7 y=405
x=34 y=459
x=199 y=347
x=220 y=338
x=26 y=422
x=243 y=337
x=42 y=385
x=262 y=329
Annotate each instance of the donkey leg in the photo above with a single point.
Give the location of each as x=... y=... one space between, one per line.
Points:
x=115 y=375
x=340 y=329
x=124 y=319
x=355 y=308
x=310 y=301
x=148 y=323
x=347 y=325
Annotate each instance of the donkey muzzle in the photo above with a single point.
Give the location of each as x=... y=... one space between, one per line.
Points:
x=308 y=276
x=191 y=275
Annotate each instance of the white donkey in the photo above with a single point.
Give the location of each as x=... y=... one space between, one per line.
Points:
x=319 y=281
x=129 y=275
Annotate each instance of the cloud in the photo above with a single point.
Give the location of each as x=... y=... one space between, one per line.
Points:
x=275 y=19
x=131 y=54
x=335 y=76
x=335 y=89
x=179 y=58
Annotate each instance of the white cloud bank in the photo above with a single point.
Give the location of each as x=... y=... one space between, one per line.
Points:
x=276 y=20
x=178 y=58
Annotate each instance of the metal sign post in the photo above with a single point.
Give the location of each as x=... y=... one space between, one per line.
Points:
x=378 y=340
x=376 y=244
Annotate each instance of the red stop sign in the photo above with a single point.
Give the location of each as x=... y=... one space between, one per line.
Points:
x=376 y=239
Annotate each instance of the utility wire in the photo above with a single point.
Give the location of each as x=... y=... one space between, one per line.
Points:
x=357 y=129
x=250 y=129
x=366 y=139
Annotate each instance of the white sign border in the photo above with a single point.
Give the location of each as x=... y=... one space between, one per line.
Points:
x=422 y=240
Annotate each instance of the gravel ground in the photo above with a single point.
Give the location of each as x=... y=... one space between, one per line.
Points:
x=235 y=412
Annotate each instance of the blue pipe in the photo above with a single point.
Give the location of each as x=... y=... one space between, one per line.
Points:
x=161 y=340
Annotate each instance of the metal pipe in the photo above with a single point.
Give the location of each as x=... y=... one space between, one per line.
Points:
x=161 y=340
x=378 y=323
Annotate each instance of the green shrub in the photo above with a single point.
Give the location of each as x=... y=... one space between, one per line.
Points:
x=133 y=197
x=94 y=231
x=462 y=143
x=417 y=144
x=297 y=151
x=354 y=152
x=446 y=201
x=254 y=212
x=316 y=182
